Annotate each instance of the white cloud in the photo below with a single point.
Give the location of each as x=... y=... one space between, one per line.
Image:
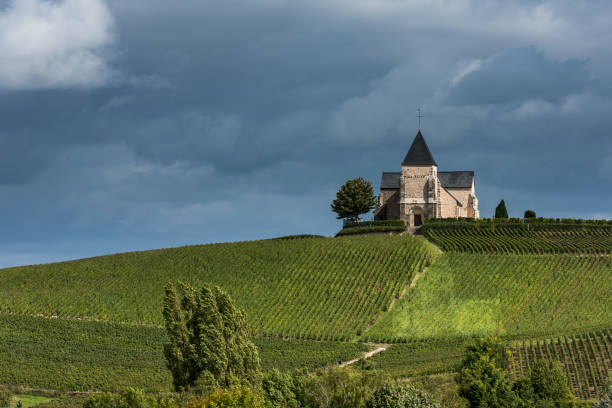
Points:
x=55 y=44
x=530 y=110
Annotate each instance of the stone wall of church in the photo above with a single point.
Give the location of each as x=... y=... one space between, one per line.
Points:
x=449 y=205
x=415 y=181
x=390 y=199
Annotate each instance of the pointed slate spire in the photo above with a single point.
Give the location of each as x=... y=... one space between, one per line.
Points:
x=419 y=154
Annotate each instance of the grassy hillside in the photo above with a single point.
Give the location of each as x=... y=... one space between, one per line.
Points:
x=312 y=288
x=510 y=295
x=80 y=355
x=520 y=238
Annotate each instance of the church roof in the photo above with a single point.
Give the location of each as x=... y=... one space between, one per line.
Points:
x=456 y=179
x=419 y=154
x=448 y=179
x=390 y=180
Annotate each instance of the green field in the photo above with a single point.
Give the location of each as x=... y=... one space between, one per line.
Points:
x=75 y=355
x=339 y=284
x=310 y=301
x=514 y=238
x=507 y=295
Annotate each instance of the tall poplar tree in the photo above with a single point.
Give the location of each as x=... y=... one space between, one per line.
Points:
x=209 y=339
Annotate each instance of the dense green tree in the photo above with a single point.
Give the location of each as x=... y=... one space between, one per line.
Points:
x=500 y=210
x=236 y=397
x=282 y=389
x=549 y=382
x=400 y=396
x=210 y=342
x=354 y=198
x=530 y=214
x=483 y=379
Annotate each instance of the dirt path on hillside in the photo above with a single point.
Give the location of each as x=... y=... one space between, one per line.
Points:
x=412 y=284
x=365 y=355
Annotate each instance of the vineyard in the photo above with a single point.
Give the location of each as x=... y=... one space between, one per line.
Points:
x=418 y=358
x=75 y=355
x=586 y=359
x=520 y=238
x=512 y=295
x=341 y=284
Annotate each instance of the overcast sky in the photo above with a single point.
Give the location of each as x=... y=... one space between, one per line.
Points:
x=137 y=124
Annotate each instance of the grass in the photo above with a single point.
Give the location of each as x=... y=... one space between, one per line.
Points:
x=28 y=401
x=464 y=295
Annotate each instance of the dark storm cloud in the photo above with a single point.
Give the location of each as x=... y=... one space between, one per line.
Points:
x=215 y=121
x=519 y=75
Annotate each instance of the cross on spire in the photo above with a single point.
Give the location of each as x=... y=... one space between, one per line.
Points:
x=419 y=116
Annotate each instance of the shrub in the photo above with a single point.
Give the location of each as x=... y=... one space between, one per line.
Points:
x=340 y=388
x=5 y=396
x=530 y=214
x=549 y=382
x=281 y=389
x=130 y=398
x=240 y=397
x=400 y=396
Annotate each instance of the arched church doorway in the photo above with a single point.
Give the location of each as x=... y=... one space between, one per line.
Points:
x=417 y=216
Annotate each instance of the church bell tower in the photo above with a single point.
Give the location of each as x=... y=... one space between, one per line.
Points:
x=419 y=184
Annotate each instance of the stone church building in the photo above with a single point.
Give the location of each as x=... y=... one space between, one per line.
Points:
x=420 y=191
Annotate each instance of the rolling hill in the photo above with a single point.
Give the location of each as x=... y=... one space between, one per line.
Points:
x=312 y=301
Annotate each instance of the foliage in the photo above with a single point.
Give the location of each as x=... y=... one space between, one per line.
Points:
x=464 y=295
x=400 y=396
x=130 y=398
x=500 y=210
x=529 y=214
x=362 y=227
x=606 y=400
x=5 y=396
x=549 y=382
x=521 y=238
x=237 y=397
x=482 y=379
x=355 y=197
x=341 y=284
x=491 y=347
x=341 y=387
x=282 y=389
x=209 y=339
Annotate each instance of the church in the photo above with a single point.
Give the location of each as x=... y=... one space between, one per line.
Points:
x=420 y=191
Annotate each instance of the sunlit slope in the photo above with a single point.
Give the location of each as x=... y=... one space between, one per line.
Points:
x=523 y=295
x=317 y=288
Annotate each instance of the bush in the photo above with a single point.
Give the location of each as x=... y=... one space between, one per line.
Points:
x=281 y=389
x=240 y=397
x=549 y=382
x=400 y=396
x=130 y=398
x=530 y=214
x=340 y=388
x=5 y=396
